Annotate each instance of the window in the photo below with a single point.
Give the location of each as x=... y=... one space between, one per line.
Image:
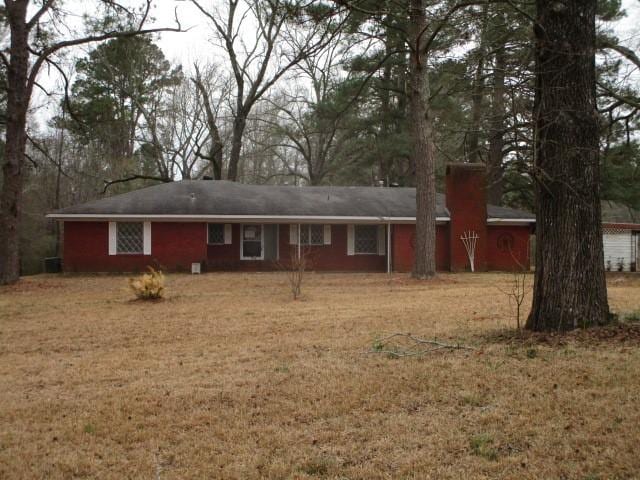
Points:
x=215 y=234
x=130 y=237
x=311 y=234
x=365 y=239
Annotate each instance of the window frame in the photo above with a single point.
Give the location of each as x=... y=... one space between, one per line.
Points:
x=307 y=227
x=374 y=228
x=222 y=226
x=118 y=251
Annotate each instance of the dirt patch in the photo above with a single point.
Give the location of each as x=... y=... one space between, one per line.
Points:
x=606 y=336
x=33 y=284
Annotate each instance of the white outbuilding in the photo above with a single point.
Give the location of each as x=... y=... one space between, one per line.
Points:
x=621 y=247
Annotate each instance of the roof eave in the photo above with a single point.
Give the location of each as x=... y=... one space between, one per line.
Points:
x=510 y=221
x=237 y=218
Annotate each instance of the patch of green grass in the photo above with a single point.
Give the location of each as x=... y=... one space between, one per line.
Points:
x=378 y=345
x=482 y=446
x=90 y=429
x=631 y=317
x=318 y=466
x=281 y=369
x=393 y=351
x=473 y=400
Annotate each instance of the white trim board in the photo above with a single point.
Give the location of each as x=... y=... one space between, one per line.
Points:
x=510 y=221
x=238 y=218
x=286 y=219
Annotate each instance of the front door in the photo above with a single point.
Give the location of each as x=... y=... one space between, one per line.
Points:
x=271 y=242
x=252 y=247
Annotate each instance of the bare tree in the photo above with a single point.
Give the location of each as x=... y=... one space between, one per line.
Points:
x=205 y=86
x=295 y=267
x=313 y=123
x=259 y=61
x=27 y=53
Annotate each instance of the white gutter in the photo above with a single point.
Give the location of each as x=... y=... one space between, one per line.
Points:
x=510 y=221
x=268 y=218
x=237 y=218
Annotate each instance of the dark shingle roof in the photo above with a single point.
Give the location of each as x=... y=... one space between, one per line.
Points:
x=614 y=212
x=202 y=197
x=494 y=211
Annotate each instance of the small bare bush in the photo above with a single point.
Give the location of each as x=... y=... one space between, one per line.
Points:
x=148 y=286
x=517 y=290
x=295 y=269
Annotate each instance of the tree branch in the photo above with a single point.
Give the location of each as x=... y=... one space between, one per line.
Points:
x=108 y=183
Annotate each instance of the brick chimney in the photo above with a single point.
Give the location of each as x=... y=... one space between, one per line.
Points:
x=466 y=194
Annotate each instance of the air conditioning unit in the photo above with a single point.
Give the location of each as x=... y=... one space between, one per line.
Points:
x=196 y=267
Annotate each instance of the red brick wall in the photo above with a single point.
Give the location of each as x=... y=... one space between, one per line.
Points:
x=225 y=257
x=498 y=256
x=178 y=244
x=174 y=246
x=508 y=247
x=404 y=247
x=467 y=204
x=334 y=257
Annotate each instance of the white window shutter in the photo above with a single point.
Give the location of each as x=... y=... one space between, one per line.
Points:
x=381 y=240
x=350 y=240
x=227 y=234
x=327 y=234
x=146 y=238
x=293 y=234
x=113 y=238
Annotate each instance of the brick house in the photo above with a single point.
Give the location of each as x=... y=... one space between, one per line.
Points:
x=231 y=226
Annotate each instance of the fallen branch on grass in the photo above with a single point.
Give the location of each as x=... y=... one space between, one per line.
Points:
x=413 y=346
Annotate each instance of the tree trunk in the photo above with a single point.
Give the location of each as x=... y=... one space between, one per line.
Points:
x=384 y=167
x=56 y=200
x=422 y=142
x=496 y=132
x=217 y=147
x=239 y=125
x=215 y=154
x=569 y=288
x=477 y=94
x=17 y=104
x=473 y=139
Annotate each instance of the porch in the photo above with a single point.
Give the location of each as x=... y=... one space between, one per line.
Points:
x=271 y=246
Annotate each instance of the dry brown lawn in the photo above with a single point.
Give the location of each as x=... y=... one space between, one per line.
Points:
x=230 y=378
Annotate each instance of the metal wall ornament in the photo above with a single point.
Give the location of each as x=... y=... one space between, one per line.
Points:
x=470 y=239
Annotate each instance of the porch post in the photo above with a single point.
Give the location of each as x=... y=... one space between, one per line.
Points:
x=298 y=241
x=389 y=247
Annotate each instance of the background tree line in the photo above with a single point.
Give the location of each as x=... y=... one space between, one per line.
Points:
x=321 y=94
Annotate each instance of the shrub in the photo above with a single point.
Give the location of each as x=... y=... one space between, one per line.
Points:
x=148 y=286
x=295 y=269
